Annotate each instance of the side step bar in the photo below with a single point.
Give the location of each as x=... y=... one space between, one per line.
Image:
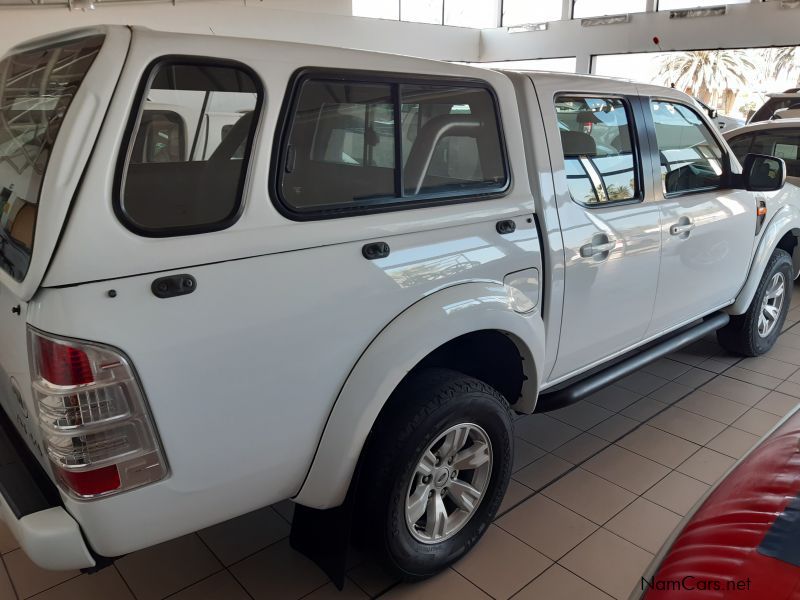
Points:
x=584 y=386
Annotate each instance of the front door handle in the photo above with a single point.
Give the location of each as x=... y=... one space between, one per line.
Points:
x=599 y=247
x=682 y=227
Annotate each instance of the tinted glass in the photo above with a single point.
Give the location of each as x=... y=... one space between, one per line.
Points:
x=691 y=158
x=36 y=89
x=189 y=152
x=345 y=149
x=740 y=146
x=783 y=143
x=598 y=149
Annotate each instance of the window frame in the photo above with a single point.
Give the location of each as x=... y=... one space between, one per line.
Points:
x=132 y=128
x=388 y=204
x=629 y=103
x=725 y=158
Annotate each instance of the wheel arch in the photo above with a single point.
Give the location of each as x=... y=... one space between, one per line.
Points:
x=439 y=330
x=783 y=231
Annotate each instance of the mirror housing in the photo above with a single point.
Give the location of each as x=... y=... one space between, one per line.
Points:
x=763 y=173
x=713 y=113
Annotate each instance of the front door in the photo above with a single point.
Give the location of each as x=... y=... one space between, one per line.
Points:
x=707 y=230
x=610 y=230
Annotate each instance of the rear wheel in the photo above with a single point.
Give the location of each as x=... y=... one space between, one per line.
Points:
x=754 y=332
x=436 y=469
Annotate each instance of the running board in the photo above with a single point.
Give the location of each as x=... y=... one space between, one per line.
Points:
x=584 y=386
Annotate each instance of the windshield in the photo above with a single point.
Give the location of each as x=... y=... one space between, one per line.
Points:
x=36 y=88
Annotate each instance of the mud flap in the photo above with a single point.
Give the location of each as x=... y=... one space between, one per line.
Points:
x=324 y=535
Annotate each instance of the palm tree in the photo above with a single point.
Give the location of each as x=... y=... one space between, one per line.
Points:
x=779 y=62
x=706 y=74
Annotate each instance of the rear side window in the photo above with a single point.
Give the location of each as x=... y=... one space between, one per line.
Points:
x=599 y=157
x=36 y=89
x=691 y=158
x=356 y=146
x=188 y=154
x=784 y=143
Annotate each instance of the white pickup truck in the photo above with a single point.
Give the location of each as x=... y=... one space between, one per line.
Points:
x=236 y=271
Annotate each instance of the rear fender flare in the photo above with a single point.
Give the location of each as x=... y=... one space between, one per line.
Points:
x=400 y=346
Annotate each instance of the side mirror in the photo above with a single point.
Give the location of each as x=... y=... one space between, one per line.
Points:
x=762 y=173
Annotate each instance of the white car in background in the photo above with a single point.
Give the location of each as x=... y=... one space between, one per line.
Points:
x=779 y=138
x=723 y=122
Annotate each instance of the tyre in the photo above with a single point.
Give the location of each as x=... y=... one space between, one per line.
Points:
x=435 y=471
x=754 y=332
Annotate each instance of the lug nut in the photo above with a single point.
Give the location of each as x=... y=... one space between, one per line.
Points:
x=430 y=494
x=426 y=479
x=453 y=474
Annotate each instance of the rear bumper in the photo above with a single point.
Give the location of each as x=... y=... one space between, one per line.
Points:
x=31 y=508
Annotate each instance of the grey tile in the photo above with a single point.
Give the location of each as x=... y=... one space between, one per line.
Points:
x=671 y=392
x=757 y=422
x=706 y=465
x=613 y=398
x=30 y=579
x=525 y=453
x=545 y=432
x=614 y=428
x=713 y=407
x=645 y=524
x=542 y=472
x=643 y=409
x=764 y=381
x=580 y=448
x=778 y=403
x=736 y=390
x=733 y=442
x=659 y=446
x=677 y=492
x=627 y=469
x=589 y=495
x=666 y=368
x=233 y=540
x=695 y=377
x=583 y=415
x=689 y=426
x=642 y=382
x=559 y=584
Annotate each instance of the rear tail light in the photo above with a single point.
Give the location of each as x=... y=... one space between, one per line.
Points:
x=93 y=416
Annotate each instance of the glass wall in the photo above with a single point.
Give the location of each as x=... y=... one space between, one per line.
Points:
x=520 y=12
x=678 y=4
x=479 y=14
x=596 y=8
x=422 y=11
x=559 y=65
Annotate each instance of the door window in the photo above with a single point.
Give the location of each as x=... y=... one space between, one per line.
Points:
x=690 y=156
x=784 y=143
x=188 y=156
x=599 y=157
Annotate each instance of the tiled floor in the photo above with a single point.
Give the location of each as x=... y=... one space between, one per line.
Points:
x=597 y=488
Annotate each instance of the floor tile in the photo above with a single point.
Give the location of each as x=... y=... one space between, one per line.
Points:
x=695 y=377
x=789 y=387
x=614 y=428
x=29 y=579
x=6 y=589
x=670 y=392
x=515 y=493
x=233 y=540
x=220 y=586
x=657 y=445
x=666 y=368
x=543 y=431
x=166 y=568
x=500 y=564
x=559 y=584
x=641 y=382
x=686 y=425
x=547 y=526
x=542 y=472
x=716 y=365
x=643 y=409
x=768 y=366
x=644 y=523
x=373 y=578
x=525 y=453
x=788 y=340
x=778 y=403
x=580 y=448
x=447 y=584
x=787 y=355
x=7 y=540
x=589 y=495
x=613 y=398
x=609 y=562
x=706 y=465
x=583 y=415
x=103 y=585
x=711 y=406
x=756 y=421
x=734 y=389
x=628 y=470
x=733 y=442
x=329 y=592
x=677 y=492
x=278 y=572
x=764 y=381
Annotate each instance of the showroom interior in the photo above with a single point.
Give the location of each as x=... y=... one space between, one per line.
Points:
x=665 y=466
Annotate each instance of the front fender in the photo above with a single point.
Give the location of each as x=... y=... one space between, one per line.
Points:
x=401 y=345
x=786 y=219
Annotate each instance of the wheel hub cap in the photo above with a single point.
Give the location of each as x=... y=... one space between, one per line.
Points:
x=771 y=305
x=448 y=484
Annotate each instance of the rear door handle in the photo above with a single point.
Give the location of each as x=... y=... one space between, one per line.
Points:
x=598 y=247
x=684 y=226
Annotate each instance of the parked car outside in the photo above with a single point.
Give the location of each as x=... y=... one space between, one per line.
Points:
x=234 y=272
x=779 y=138
x=724 y=122
x=778 y=106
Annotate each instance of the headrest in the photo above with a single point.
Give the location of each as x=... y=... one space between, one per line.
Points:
x=576 y=143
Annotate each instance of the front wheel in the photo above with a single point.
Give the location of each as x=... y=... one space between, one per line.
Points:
x=437 y=467
x=754 y=332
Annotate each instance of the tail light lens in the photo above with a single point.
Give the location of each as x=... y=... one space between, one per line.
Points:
x=93 y=416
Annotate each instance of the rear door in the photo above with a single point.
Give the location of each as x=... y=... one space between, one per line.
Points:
x=707 y=229
x=608 y=221
x=53 y=96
